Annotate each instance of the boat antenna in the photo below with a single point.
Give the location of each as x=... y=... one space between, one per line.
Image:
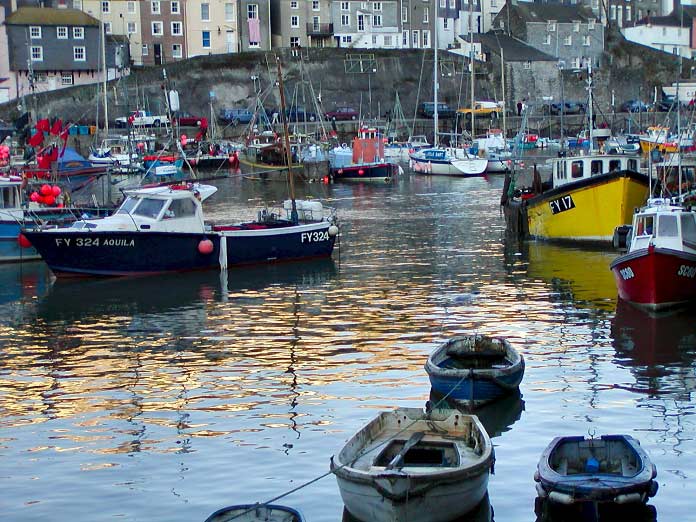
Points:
x=288 y=156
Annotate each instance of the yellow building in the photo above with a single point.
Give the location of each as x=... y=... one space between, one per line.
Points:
x=211 y=27
x=120 y=17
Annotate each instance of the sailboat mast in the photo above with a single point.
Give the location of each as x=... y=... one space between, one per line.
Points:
x=679 y=163
x=435 y=87
x=589 y=88
x=103 y=57
x=502 y=81
x=471 y=63
x=286 y=136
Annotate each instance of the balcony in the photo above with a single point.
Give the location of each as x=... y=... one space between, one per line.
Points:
x=319 y=29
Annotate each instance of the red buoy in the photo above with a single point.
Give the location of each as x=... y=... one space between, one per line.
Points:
x=23 y=241
x=206 y=246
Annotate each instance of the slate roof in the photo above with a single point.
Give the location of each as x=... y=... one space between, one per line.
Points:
x=674 y=19
x=551 y=12
x=48 y=16
x=514 y=50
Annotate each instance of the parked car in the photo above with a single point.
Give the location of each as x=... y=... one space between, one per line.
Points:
x=635 y=106
x=666 y=103
x=235 y=116
x=342 y=113
x=427 y=110
x=298 y=115
x=186 y=119
x=488 y=109
x=569 y=107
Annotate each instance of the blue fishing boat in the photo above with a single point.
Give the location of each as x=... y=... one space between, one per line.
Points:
x=609 y=469
x=475 y=369
x=256 y=513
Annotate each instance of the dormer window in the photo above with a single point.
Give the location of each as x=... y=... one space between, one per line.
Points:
x=551 y=26
x=590 y=25
x=576 y=27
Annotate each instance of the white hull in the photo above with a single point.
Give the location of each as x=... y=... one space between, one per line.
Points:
x=496 y=166
x=438 y=169
x=441 y=504
x=471 y=166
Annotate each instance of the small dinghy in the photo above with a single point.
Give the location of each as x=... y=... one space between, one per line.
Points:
x=410 y=465
x=610 y=469
x=256 y=513
x=475 y=369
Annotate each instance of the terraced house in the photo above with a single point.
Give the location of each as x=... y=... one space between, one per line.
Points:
x=52 y=48
x=163 y=33
x=302 y=23
x=211 y=27
x=367 y=25
x=120 y=17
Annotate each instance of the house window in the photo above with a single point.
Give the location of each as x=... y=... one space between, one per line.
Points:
x=35 y=32
x=77 y=4
x=452 y=4
x=426 y=39
x=445 y=24
x=66 y=79
x=404 y=13
x=78 y=33
x=664 y=31
x=107 y=27
x=443 y=3
x=547 y=39
x=177 y=29
x=415 y=40
x=345 y=19
x=146 y=50
x=132 y=28
x=404 y=39
x=155 y=7
x=62 y=4
x=551 y=26
x=206 y=39
x=62 y=33
x=36 y=53
x=131 y=7
x=426 y=15
x=376 y=6
x=568 y=40
x=377 y=20
x=374 y=40
x=176 y=51
x=346 y=39
x=205 y=12
x=229 y=12
x=628 y=13
x=586 y=40
x=174 y=9
x=576 y=63
x=79 y=54
x=252 y=11
x=40 y=77
x=361 y=22
x=315 y=5
x=294 y=41
x=106 y=7
x=295 y=21
x=576 y=27
x=590 y=25
x=157 y=28
x=345 y=6
x=612 y=11
x=494 y=4
x=293 y=5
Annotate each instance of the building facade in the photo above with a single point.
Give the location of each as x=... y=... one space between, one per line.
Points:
x=254 y=22
x=211 y=27
x=367 y=25
x=572 y=34
x=296 y=23
x=457 y=17
x=163 y=32
x=673 y=34
x=418 y=22
x=120 y=17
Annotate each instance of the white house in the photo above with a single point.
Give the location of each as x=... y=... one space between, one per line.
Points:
x=671 y=34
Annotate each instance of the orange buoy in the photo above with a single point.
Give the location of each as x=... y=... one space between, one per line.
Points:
x=23 y=241
x=206 y=247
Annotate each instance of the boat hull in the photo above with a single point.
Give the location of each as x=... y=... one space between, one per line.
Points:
x=371 y=172
x=143 y=253
x=454 y=167
x=589 y=210
x=256 y=513
x=442 y=504
x=656 y=278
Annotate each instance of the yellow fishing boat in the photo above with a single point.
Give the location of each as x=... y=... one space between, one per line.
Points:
x=589 y=197
x=658 y=137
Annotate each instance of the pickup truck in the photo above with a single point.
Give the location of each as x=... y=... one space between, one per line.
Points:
x=488 y=109
x=142 y=119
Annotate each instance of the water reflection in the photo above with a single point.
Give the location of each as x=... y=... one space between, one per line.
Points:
x=586 y=512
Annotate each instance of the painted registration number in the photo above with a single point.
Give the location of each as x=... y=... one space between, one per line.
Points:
x=627 y=273
x=93 y=242
x=314 y=237
x=687 y=271
x=561 y=204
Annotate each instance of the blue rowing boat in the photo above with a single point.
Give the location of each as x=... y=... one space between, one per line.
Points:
x=256 y=513
x=609 y=469
x=474 y=370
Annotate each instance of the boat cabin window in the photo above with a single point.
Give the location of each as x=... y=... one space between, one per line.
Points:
x=633 y=165
x=180 y=208
x=149 y=208
x=644 y=227
x=667 y=226
x=8 y=199
x=614 y=165
x=577 y=170
x=688 y=225
x=596 y=167
x=128 y=205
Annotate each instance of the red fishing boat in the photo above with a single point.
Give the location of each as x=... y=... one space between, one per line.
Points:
x=364 y=161
x=659 y=269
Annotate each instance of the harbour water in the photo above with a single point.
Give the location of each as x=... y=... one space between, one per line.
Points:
x=163 y=399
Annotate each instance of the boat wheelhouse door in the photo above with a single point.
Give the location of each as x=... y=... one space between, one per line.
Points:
x=182 y=214
x=10 y=197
